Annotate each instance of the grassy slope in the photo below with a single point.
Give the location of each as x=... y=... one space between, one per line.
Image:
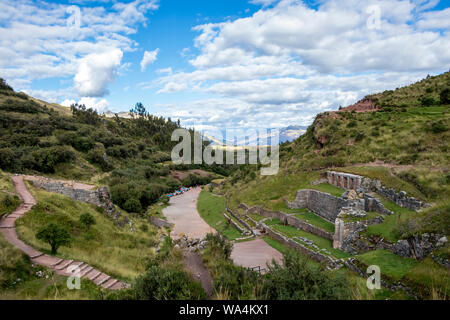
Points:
x=8 y=202
x=401 y=136
x=211 y=209
x=114 y=250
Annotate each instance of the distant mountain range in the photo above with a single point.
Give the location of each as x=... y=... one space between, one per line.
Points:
x=289 y=133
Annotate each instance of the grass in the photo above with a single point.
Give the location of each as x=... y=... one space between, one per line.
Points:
x=315 y=220
x=211 y=209
x=19 y=279
x=390 y=264
x=386 y=229
x=156 y=210
x=434 y=278
x=267 y=191
x=115 y=250
x=369 y=215
x=8 y=201
x=291 y=232
x=329 y=188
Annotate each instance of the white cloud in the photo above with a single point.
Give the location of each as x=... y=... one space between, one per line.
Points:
x=149 y=58
x=96 y=71
x=101 y=105
x=264 y=3
x=38 y=43
x=285 y=63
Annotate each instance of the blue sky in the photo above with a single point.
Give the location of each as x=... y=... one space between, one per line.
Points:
x=221 y=64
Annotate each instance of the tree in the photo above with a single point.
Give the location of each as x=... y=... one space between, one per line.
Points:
x=54 y=235
x=87 y=219
x=445 y=96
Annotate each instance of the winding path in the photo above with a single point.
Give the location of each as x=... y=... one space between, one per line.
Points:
x=59 y=266
x=183 y=213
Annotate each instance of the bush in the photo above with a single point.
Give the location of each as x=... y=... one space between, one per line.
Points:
x=445 y=96
x=427 y=101
x=46 y=159
x=298 y=279
x=438 y=127
x=97 y=156
x=162 y=284
x=54 y=235
x=133 y=205
x=87 y=220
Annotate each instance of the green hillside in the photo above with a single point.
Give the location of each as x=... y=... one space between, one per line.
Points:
x=130 y=155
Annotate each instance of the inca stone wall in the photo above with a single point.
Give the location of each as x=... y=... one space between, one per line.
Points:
x=99 y=197
x=363 y=184
x=321 y=203
x=288 y=219
x=317 y=256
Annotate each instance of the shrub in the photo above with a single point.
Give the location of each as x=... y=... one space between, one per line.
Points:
x=162 y=284
x=438 y=127
x=54 y=235
x=427 y=101
x=87 y=220
x=133 y=205
x=99 y=157
x=298 y=279
x=445 y=96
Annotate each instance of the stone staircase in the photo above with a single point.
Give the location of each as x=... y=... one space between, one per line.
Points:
x=60 y=266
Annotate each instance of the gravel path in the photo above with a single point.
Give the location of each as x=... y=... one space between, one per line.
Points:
x=254 y=253
x=183 y=213
x=59 y=266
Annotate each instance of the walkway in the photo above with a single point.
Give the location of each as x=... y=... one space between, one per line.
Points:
x=254 y=253
x=59 y=266
x=183 y=213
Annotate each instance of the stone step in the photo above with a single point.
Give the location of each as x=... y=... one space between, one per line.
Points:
x=84 y=267
x=108 y=284
x=102 y=279
x=56 y=263
x=64 y=264
x=93 y=274
x=86 y=271
x=37 y=255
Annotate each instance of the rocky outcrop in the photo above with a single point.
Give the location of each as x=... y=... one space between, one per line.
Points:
x=417 y=247
x=160 y=223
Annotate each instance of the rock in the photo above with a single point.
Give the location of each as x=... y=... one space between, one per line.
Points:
x=442 y=241
x=352 y=195
x=402 y=248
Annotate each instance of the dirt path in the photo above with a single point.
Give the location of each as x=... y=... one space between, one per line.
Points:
x=254 y=253
x=193 y=264
x=59 y=266
x=183 y=213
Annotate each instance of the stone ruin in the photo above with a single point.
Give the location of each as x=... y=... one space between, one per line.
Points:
x=99 y=197
x=363 y=184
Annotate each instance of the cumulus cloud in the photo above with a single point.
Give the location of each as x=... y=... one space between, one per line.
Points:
x=149 y=58
x=96 y=71
x=39 y=41
x=264 y=3
x=287 y=62
x=101 y=105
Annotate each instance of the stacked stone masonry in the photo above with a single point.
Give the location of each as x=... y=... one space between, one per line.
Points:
x=84 y=193
x=289 y=220
x=321 y=203
x=363 y=184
